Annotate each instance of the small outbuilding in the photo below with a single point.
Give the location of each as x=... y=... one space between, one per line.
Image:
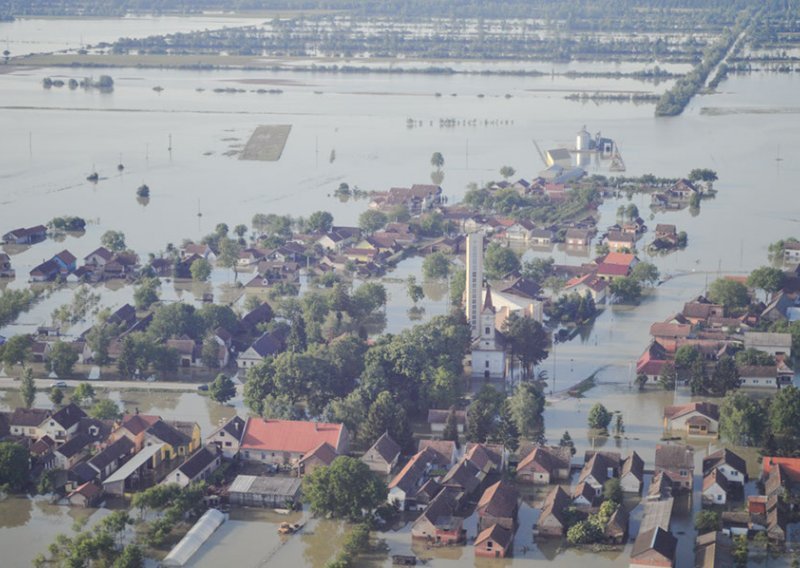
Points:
x=259 y=491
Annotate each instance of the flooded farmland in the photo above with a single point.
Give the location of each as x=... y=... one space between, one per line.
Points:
x=176 y=141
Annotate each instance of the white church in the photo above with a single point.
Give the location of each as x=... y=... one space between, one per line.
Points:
x=488 y=352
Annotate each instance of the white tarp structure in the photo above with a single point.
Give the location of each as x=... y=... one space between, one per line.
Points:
x=194 y=539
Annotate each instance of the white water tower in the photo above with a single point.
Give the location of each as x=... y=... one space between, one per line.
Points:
x=583 y=141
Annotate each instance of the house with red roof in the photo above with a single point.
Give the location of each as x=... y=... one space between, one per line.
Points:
x=588 y=285
x=281 y=442
x=695 y=419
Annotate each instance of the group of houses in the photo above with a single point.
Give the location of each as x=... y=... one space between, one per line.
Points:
x=107 y=457
x=96 y=458
x=705 y=326
x=100 y=265
x=551 y=465
x=446 y=486
x=245 y=341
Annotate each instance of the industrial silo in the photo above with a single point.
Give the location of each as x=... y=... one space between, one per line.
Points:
x=583 y=143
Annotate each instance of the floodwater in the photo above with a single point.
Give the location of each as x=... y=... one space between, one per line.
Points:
x=53 y=138
x=25 y=36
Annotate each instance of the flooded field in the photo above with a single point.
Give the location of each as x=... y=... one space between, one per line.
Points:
x=26 y=36
x=52 y=139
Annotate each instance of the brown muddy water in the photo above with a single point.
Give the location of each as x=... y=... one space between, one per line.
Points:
x=52 y=139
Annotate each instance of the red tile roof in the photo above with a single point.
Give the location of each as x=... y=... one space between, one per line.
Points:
x=620 y=258
x=289 y=435
x=791 y=466
x=612 y=269
x=138 y=423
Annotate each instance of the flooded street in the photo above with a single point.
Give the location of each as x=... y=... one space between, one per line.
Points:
x=354 y=129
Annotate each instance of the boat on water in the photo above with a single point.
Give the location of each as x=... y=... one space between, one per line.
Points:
x=290 y=528
x=93 y=177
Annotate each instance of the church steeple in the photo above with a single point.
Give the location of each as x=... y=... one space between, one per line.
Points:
x=487 y=302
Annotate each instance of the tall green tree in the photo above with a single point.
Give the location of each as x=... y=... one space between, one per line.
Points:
x=645 y=273
x=320 y=221
x=725 y=376
x=507 y=172
x=371 y=220
x=222 y=388
x=507 y=432
x=385 y=415
x=482 y=414
x=200 y=270
x=56 y=396
x=626 y=290
x=784 y=414
x=146 y=293
x=599 y=417
x=528 y=341
x=669 y=376
x=499 y=260
x=209 y=353
x=105 y=409
x=113 y=241
x=729 y=293
x=16 y=351
x=297 y=341
x=27 y=388
x=526 y=406
x=14 y=465
x=62 y=359
x=330 y=490
x=767 y=278
x=566 y=442
x=436 y=265
x=450 y=431
x=414 y=290
x=83 y=392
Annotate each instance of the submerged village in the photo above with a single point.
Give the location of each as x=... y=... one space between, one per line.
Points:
x=402 y=284
x=438 y=428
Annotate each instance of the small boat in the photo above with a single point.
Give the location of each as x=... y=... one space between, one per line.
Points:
x=290 y=528
x=93 y=177
x=404 y=560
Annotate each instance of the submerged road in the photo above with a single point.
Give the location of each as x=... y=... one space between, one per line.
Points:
x=44 y=384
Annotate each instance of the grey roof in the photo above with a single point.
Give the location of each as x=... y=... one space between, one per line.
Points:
x=68 y=416
x=674 y=456
x=134 y=463
x=463 y=475
x=168 y=434
x=73 y=446
x=634 y=465
x=655 y=539
x=267 y=344
x=196 y=463
x=713 y=550
x=657 y=514
x=82 y=472
x=234 y=427
x=28 y=416
x=556 y=504
x=724 y=456
x=442 y=508
x=115 y=451
x=386 y=447
x=758 y=338
x=260 y=485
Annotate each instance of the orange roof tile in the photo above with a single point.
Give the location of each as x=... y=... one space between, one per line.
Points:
x=289 y=435
x=620 y=258
x=791 y=466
